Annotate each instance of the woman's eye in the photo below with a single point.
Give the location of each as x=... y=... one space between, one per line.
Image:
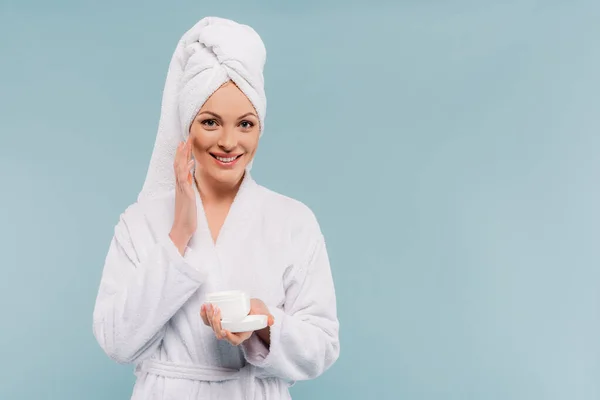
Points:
x=247 y=124
x=209 y=122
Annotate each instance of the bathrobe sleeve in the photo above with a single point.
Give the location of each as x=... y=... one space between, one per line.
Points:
x=141 y=288
x=304 y=337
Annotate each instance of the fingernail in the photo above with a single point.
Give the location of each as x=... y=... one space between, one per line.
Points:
x=223 y=334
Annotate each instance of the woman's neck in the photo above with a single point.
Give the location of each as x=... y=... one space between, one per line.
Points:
x=213 y=192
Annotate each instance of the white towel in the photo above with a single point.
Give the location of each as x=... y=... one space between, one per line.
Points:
x=212 y=52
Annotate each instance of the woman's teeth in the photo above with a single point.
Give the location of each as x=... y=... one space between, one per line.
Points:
x=226 y=160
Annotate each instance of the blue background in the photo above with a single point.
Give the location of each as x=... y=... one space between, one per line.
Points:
x=449 y=149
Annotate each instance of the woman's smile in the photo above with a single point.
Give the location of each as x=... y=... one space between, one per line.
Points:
x=226 y=160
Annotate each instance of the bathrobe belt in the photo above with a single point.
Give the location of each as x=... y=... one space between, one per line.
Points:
x=201 y=373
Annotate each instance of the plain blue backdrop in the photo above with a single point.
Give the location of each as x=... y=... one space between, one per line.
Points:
x=448 y=148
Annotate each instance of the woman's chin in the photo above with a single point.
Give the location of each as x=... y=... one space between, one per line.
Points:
x=229 y=177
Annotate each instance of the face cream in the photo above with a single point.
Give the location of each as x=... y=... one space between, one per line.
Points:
x=235 y=307
x=234 y=304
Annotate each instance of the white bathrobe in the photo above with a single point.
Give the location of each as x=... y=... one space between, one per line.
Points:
x=147 y=311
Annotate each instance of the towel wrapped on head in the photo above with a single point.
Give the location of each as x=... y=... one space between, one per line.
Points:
x=213 y=52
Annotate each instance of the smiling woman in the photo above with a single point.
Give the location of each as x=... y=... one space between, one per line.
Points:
x=224 y=138
x=202 y=226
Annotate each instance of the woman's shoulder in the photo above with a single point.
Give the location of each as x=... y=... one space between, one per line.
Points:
x=148 y=207
x=149 y=212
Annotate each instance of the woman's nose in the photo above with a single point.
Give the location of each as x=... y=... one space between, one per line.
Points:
x=227 y=140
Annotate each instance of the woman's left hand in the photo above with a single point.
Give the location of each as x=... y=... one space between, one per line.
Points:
x=211 y=316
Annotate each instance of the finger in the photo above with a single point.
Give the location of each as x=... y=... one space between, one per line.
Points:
x=188 y=154
x=183 y=171
x=203 y=314
x=177 y=162
x=209 y=314
x=217 y=324
x=189 y=163
x=180 y=150
x=270 y=320
x=190 y=166
x=181 y=153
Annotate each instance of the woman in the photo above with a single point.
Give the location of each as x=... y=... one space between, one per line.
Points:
x=201 y=224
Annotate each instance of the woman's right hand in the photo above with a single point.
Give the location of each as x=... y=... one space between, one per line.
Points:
x=185 y=222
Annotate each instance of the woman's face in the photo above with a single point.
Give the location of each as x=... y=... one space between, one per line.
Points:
x=224 y=136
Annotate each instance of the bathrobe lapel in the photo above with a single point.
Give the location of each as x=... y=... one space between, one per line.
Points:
x=233 y=235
